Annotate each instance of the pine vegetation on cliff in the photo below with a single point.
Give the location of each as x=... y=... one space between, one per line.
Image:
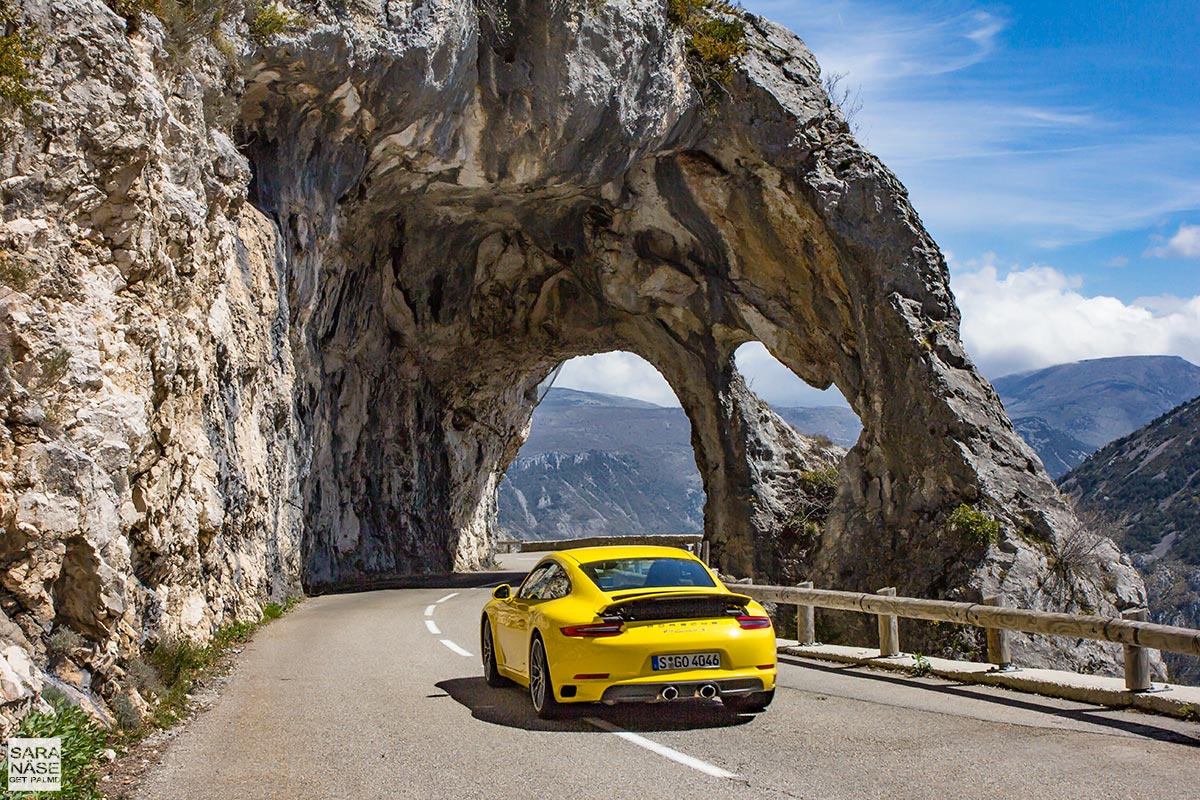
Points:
x=1148 y=485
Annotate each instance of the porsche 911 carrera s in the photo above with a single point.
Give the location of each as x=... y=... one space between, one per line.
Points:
x=628 y=624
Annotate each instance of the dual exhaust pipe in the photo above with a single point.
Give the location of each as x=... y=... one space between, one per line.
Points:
x=708 y=691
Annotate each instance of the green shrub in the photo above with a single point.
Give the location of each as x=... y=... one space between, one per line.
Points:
x=128 y=717
x=18 y=50
x=271 y=20
x=83 y=743
x=63 y=642
x=974 y=526
x=143 y=676
x=190 y=21
x=273 y=611
x=820 y=481
x=713 y=45
x=679 y=12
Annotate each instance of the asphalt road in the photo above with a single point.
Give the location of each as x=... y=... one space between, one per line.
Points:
x=373 y=695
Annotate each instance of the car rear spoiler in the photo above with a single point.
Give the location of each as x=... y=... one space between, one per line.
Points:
x=615 y=607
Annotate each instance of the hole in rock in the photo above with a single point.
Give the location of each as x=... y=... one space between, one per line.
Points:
x=609 y=453
x=811 y=411
x=610 y=450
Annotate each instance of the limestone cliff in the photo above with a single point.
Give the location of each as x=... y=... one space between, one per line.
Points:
x=276 y=309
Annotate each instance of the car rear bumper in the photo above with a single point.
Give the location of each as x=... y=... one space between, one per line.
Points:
x=688 y=690
x=649 y=689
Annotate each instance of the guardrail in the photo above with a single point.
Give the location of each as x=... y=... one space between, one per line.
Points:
x=689 y=541
x=1132 y=629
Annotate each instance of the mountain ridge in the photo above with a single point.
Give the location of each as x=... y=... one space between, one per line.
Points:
x=1067 y=411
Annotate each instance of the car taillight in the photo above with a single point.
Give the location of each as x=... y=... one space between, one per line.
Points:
x=594 y=630
x=754 y=623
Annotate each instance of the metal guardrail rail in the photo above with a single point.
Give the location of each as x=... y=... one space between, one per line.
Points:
x=688 y=541
x=1132 y=629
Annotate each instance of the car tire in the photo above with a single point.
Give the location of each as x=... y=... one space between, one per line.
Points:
x=487 y=650
x=748 y=703
x=541 y=687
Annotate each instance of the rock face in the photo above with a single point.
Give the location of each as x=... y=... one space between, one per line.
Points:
x=291 y=304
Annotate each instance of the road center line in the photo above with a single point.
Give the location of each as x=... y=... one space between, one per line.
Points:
x=429 y=610
x=660 y=749
x=433 y=628
x=447 y=597
x=455 y=647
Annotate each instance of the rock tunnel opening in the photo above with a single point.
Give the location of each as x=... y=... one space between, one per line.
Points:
x=445 y=247
x=609 y=453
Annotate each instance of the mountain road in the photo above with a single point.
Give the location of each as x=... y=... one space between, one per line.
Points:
x=380 y=695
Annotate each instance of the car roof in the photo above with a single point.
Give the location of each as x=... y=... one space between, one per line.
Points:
x=586 y=555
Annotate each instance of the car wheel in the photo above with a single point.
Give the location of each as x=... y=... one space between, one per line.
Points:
x=487 y=649
x=541 y=689
x=748 y=703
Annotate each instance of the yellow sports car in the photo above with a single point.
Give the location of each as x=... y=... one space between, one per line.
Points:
x=627 y=624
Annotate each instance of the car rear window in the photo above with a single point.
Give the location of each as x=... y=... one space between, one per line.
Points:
x=616 y=574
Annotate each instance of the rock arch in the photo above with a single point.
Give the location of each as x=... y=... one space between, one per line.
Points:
x=463 y=209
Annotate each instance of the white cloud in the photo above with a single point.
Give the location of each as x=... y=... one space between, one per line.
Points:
x=628 y=375
x=874 y=45
x=1184 y=244
x=1027 y=318
x=619 y=373
x=777 y=384
x=1013 y=319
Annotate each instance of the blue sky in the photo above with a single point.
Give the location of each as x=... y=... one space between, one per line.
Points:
x=1053 y=151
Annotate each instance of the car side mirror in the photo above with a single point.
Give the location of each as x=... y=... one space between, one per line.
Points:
x=502 y=592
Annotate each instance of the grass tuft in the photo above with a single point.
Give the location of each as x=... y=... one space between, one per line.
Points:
x=714 y=44
x=182 y=665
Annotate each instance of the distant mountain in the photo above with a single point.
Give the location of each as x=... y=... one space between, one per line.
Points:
x=599 y=464
x=573 y=398
x=596 y=465
x=839 y=424
x=1070 y=410
x=1059 y=451
x=1147 y=487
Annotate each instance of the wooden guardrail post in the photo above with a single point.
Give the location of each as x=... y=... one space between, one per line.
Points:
x=806 y=620
x=998 y=640
x=1137 y=659
x=889 y=629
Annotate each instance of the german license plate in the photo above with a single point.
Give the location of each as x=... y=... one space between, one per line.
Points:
x=687 y=661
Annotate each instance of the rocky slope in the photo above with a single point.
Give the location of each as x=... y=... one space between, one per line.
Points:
x=1146 y=486
x=276 y=308
x=1067 y=411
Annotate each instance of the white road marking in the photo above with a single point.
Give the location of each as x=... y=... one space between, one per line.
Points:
x=429 y=610
x=433 y=628
x=447 y=597
x=660 y=749
x=455 y=647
